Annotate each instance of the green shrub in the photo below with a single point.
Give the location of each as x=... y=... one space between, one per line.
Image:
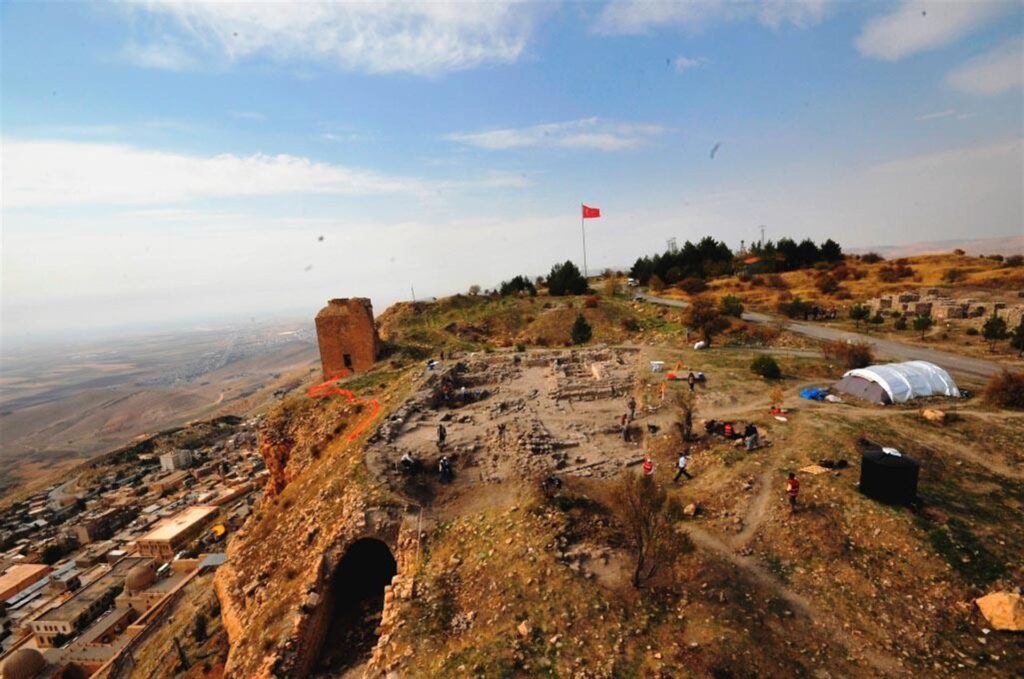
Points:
x=766 y=366
x=730 y=305
x=994 y=330
x=859 y=312
x=794 y=308
x=973 y=332
x=581 y=330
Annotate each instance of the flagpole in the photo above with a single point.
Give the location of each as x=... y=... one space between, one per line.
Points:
x=583 y=230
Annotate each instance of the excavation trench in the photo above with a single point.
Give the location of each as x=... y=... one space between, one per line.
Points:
x=355 y=600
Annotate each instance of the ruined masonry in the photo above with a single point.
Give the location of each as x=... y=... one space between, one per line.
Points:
x=347 y=336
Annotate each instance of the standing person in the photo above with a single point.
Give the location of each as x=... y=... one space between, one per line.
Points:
x=681 y=467
x=691 y=380
x=631 y=404
x=444 y=469
x=750 y=436
x=792 y=490
x=648 y=466
x=625 y=427
x=442 y=435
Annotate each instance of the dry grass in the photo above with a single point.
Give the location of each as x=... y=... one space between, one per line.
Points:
x=861 y=281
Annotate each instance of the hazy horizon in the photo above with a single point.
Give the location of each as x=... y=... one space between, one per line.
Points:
x=169 y=162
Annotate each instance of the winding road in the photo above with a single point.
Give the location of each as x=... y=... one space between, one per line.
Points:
x=975 y=370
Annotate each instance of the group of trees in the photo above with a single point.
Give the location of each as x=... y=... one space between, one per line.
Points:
x=705 y=259
x=996 y=329
x=788 y=255
x=516 y=286
x=704 y=317
x=709 y=257
x=566 y=279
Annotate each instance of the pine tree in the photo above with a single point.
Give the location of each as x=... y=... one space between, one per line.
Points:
x=581 y=330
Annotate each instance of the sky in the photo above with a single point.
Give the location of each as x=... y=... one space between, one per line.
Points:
x=167 y=163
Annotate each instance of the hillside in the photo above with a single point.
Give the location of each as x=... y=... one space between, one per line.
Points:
x=498 y=577
x=983 y=280
x=859 y=280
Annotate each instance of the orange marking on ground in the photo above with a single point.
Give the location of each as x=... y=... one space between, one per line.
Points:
x=329 y=388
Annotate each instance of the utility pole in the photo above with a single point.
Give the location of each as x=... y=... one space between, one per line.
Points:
x=762 y=235
x=412 y=288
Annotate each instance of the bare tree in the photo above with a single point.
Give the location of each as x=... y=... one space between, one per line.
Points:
x=703 y=316
x=686 y=401
x=648 y=516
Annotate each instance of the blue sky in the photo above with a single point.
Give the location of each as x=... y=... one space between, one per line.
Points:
x=168 y=162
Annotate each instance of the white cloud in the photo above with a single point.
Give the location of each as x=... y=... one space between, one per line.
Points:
x=388 y=36
x=686 y=63
x=586 y=133
x=166 y=56
x=937 y=114
x=50 y=173
x=249 y=115
x=949 y=113
x=638 y=16
x=922 y=25
x=994 y=72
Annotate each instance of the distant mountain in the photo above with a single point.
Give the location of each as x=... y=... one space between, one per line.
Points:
x=1007 y=245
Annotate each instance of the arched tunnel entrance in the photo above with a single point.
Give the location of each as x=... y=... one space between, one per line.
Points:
x=356 y=602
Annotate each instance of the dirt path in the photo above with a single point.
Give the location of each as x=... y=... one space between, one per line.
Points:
x=757 y=509
x=883 y=663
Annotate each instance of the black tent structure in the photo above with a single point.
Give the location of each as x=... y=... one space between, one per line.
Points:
x=888 y=476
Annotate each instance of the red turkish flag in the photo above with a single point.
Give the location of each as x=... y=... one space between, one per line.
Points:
x=591 y=212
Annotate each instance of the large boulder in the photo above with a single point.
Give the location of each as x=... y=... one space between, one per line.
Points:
x=1003 y=610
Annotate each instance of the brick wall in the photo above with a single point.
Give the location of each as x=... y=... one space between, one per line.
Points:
x=347 y=336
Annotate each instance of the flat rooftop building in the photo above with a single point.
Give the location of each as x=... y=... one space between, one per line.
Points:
x=169 y=535
x=19 y=577
x=88 y=602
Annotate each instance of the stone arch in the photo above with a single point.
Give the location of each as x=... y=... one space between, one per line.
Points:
x=344 y=625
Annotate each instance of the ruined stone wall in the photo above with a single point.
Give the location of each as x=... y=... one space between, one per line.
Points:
x=311 y=625
x=345 y=327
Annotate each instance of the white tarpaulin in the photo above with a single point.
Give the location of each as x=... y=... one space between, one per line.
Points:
x=905 y=381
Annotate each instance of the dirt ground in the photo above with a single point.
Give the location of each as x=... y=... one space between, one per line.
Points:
x=825 y=586
x=528 y=415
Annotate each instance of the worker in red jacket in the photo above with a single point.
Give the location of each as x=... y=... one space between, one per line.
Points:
x=792 y=490
x=648 y=466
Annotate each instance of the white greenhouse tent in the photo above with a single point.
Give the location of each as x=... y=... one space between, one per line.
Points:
x=898 y=382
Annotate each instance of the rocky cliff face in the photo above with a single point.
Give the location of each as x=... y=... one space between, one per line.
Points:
x=274 y=587
x=295 y=435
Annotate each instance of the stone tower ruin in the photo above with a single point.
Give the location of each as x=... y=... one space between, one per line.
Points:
x=347 y=336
